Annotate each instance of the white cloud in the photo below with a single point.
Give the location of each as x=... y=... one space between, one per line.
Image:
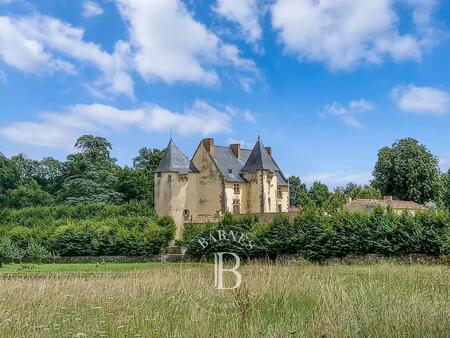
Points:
x=27 y=54
x=349 y=113
x=422 y=100
x=244 y=13
x=345 y=33
x=339 y=178
x=250 y=117
x=30 y=43
x=246 y=114
x=91 y=9
x=60 y=130
x=170 y=45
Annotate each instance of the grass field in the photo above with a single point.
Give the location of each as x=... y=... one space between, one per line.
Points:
x=176 y=300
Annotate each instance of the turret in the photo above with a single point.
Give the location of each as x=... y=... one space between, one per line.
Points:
x=261 y=171
x=171 y=185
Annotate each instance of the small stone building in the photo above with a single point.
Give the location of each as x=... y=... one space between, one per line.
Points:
x=217 y=180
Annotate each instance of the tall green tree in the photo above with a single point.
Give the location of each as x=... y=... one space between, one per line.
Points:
x=408 y=171
x=296 y=188
x=319 y=193
x=49 y=173
x=148 y=159
x=91 y=175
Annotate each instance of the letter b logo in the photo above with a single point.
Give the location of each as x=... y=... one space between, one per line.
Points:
x=219 y=270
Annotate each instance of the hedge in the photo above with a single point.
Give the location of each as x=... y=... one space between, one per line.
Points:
x=85 y=230
x=317 y=235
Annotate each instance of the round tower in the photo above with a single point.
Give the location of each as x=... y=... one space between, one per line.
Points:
x=171 y=186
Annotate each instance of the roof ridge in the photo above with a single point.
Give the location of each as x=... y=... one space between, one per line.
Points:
x=228 y=147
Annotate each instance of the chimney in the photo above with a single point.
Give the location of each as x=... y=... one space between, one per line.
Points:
x=236 y=148
x=209 y=145
x=388 y=198
x=269 y=150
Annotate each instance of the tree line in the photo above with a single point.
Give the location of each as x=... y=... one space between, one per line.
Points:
x=89 y=176
x=407 y=171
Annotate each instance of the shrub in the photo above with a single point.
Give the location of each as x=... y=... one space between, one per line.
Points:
x=9 y=252
x=318 y=235
x=37 y=253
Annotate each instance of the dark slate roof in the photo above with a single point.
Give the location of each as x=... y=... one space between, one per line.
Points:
x=175 y=161
x=231 y=167
x=259 y=159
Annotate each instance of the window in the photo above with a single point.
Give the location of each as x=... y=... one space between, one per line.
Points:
x=280 y=194
x=169 y=178
x=280 y=208
x=186 y=215
x=158 y=175
x=237 y=188
x=236 y=206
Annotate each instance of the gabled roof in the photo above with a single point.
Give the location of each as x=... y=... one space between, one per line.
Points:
x=175 y=161
x=259 y=159
x=231 y=167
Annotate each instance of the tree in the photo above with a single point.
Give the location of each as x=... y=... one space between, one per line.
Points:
x=148 y=159
x=135 y=184
x=335 y=201
x=49 y=173
x=408 y=171
x=356 y=191
x=94 y=147
x=138 y=182
x=319 y=193
x=296 y=188
x=27 y=195
x=91 y=176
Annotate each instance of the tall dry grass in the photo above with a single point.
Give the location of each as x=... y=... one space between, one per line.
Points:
x=382 y=300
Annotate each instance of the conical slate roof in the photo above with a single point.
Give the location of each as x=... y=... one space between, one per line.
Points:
x=175 y=161
x=259 y=159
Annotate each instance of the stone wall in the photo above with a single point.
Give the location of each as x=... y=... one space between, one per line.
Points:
x=265 y=217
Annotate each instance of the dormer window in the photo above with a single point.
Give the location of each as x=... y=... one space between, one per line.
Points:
x=237 y=188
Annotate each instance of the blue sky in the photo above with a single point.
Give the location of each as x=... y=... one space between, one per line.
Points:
x=326 y=83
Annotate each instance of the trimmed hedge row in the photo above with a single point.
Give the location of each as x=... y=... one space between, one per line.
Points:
x=317 y=236
x=86 y=230
x=47 y=216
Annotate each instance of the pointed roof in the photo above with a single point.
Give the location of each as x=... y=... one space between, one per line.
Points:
x=174 y=160
x=259 y=159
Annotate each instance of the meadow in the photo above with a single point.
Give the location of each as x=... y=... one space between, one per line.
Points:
x=178 y=300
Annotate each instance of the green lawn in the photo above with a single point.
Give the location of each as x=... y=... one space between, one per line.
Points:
x=76 y=268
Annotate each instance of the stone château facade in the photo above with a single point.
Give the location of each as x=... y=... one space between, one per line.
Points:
x=218 y=180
